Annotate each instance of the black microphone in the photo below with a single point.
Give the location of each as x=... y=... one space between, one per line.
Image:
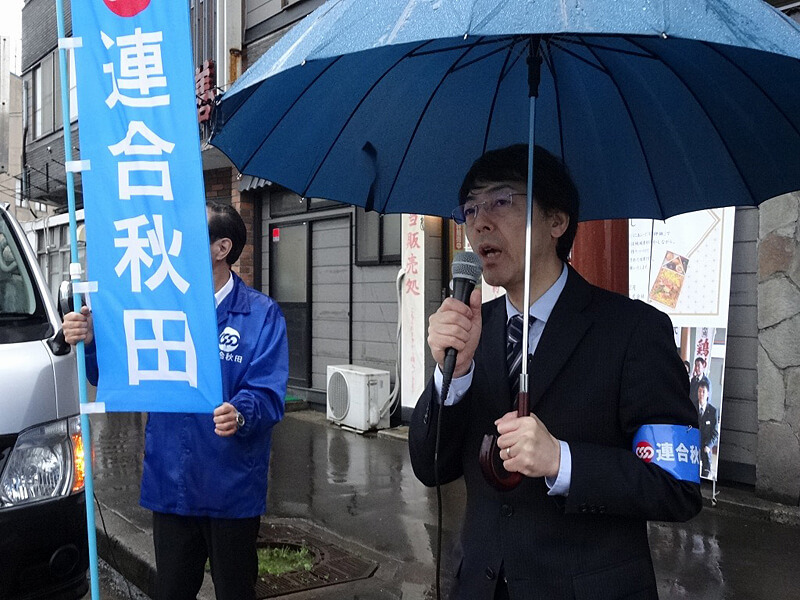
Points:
x=466 y=271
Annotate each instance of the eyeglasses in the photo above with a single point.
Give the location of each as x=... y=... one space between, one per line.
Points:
x=500 y=203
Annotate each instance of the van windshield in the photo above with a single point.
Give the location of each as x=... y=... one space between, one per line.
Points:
x=22 y=314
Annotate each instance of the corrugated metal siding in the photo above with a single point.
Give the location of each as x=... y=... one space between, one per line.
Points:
x=330 y=297
x=257 y=11
x=373 y=303
x=375 y=317
x=739 y=427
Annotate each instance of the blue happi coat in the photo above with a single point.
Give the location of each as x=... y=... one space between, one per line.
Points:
x=190 y=470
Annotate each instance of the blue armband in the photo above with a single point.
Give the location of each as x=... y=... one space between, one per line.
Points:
x=674 y=448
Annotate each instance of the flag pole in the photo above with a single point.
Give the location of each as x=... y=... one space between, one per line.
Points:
x=75 y=277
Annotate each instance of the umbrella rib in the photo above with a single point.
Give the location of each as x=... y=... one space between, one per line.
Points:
x=500 y=78
x=354 y=111
x=579 y=57
x=550 y=61
x=756 y=85
x=710 y=121
x=646 y=53
x=482 y=42
x=480 y=58
x=633 y=124
x=416 y=128
x=286 y=112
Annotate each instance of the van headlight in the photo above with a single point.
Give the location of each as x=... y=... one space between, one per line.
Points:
x=47 y=461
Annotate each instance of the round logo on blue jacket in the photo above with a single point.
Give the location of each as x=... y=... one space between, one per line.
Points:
x=228 y=339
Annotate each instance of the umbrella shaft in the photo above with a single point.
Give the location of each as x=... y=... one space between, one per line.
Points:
x=534 y=67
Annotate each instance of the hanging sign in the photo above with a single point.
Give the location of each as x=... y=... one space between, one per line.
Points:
x=146 y=233
x=413 y=348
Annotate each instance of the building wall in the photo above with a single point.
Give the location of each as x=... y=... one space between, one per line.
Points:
x=375 y=311
x=778 y=456
x=12 y=159
x=45 y=155
x=331 y=294
x=739 y=424
x=40 y=29
x=353 y=308
x=258 y=11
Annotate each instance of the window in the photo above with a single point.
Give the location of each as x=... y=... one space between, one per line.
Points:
x=378 y=238
x=37 y=102
x=44 y=94
x=203 y=23
x=46 y=106
x=54 y=254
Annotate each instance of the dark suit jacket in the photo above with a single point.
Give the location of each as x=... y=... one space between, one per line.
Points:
x=709 y=436
x=709 y=433
x=605 y=365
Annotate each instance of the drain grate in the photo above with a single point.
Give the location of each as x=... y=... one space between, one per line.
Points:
x=332 y=564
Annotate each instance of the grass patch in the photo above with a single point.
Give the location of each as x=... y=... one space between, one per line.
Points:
x=275 y=560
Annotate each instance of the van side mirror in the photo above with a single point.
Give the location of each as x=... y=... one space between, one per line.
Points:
x=65 y=304
x=58 y=345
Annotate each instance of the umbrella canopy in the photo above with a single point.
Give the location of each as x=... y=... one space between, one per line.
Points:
x=657 y=107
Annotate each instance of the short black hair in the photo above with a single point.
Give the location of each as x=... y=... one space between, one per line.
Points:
x=700 y=359
x=554 y=190
x=703 y=383
x=225 y=222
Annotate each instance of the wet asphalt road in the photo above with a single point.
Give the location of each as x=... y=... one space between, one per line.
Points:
x=114 y=586
x=362 y=491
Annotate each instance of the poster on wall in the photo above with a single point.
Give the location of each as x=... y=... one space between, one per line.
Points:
x=682 y=266
x=705 y=368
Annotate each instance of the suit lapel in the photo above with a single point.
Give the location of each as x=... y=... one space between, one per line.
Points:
x=564 y=330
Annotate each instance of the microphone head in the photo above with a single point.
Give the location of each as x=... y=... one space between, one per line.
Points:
x=467 y=265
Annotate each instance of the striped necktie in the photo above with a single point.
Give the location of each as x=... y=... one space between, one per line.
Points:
x=514 y=353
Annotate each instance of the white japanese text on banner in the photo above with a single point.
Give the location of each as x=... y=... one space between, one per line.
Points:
x=146 y=232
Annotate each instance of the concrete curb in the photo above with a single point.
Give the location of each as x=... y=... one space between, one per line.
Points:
x=744 y=503
x=129 y=549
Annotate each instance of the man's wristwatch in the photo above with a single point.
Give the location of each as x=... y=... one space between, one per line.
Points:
x=239 y=420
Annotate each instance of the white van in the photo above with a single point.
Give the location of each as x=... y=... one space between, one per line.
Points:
x=43 y=538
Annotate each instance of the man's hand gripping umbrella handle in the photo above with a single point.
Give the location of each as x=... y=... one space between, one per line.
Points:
x=490 y=461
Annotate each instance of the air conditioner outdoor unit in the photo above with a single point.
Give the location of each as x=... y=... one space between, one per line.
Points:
x=356 y=396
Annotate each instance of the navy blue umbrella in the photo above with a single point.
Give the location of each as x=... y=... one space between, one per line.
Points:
x=657 y=107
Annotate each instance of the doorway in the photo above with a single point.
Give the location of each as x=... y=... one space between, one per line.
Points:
x=290 y=286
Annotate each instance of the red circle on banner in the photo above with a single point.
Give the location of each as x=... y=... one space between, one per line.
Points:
x=126 y=8
x=645 y=451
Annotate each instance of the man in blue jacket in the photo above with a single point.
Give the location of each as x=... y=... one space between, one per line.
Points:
x=206 y=479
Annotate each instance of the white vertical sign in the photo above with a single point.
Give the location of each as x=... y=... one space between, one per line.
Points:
x=412 y=342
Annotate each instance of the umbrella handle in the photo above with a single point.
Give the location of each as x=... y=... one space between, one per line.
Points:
x=490 y=460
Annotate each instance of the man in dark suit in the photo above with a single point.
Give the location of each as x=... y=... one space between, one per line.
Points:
x=604 y=376
x=708 y=424
x=698 y=376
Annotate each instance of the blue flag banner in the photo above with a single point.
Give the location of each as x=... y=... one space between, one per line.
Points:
x=147 y=243
x=674 y=448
